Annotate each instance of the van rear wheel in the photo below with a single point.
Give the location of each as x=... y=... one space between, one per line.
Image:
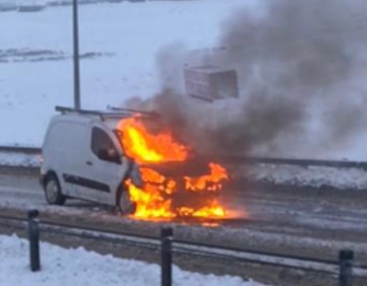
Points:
x=53 y=191
x=124 y=203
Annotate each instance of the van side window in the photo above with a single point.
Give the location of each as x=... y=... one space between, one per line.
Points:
x=101 y=140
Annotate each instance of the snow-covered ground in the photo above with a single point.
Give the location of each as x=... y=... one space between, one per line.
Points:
x=126 y=37
x=80 y=267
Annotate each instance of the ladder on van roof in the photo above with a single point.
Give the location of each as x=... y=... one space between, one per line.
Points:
x=113 y=112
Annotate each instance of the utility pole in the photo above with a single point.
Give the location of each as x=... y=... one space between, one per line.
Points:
x=76 y=56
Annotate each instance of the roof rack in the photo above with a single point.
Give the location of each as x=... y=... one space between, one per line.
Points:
x=151 y=114
x=116 y=112
x=102 y=114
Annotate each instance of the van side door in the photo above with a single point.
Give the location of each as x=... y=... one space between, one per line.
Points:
x=105 y=174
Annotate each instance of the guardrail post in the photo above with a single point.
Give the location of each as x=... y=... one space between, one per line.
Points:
x=166 y=256
x=33 y=235
x=345 y=267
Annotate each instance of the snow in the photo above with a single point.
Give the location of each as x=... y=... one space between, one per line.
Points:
x=341 y=178
x=80 y=267
x=19 y=160
x=127 y=38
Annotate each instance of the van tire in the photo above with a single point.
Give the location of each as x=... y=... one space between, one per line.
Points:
x=53 y=191
x=123 y=203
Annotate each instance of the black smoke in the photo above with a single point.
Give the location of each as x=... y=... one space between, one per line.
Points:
x=301 y=67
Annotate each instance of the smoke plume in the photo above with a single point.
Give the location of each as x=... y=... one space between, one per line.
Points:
x=301 y=69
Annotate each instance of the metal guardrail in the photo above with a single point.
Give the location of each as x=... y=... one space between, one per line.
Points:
x=20 y=150
x=239 y=160
x=188 y=247
x=233 y=160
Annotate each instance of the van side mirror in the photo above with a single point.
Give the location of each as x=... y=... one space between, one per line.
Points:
x=105 y=155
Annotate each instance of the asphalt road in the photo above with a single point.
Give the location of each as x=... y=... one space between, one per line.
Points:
x=304 y=220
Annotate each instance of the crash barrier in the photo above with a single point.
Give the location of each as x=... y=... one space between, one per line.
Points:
x=344 y=269
x=34 y=249
x=34 y=236
x=345 y=261
x=166 y=256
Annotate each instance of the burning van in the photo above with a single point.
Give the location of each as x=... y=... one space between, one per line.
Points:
x=111 y=158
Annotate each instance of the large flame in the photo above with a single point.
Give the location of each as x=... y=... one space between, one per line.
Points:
x=156 y=199
x=145 y=147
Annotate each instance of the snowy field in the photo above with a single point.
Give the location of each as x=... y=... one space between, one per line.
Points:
x=122 y=41
x=80 y=267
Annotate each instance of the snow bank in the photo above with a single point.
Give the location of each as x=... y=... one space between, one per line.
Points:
x=132 y=34
x=341 y=178
x=80 y=267
x=19 y=160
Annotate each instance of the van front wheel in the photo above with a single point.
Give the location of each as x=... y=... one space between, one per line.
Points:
x=53 y=191
x=124 y=203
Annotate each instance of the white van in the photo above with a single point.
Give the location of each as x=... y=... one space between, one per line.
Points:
x=83 y=158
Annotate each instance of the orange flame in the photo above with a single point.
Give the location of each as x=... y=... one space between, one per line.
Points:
x=156 y=198
x=144 y=147
x=218 y=174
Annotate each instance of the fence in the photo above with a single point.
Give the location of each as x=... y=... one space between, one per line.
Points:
x=345 y=264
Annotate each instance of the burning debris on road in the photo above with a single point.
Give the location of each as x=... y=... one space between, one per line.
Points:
x=174 y=184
